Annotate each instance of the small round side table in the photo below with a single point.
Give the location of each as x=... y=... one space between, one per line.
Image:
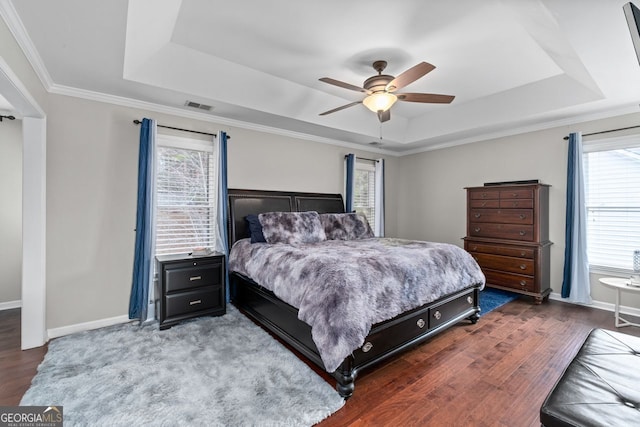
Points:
x=620 y=285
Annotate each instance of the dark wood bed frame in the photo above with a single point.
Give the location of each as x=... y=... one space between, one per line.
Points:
x=384 y=340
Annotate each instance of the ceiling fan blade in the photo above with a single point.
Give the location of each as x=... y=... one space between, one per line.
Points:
x=383 y=116
x=342 y=84
x=409 y=76
x=431 y=98
x=340 y=108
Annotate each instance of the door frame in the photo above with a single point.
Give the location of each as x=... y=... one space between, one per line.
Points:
x=34 y=219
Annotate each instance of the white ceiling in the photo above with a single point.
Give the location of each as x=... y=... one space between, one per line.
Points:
x=513 y=65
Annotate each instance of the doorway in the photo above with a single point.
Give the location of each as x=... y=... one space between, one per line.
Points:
x=33 y=289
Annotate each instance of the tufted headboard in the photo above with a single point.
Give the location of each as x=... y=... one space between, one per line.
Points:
x=246 y=202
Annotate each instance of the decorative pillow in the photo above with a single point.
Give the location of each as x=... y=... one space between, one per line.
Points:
x=346 y=226
x=255 y=229
x=292 y=227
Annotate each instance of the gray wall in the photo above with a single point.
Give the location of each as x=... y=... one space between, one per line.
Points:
x=92 y=155
x=10 y=210
x=431 y=195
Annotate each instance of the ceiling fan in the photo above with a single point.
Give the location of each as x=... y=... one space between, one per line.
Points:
x=380 y=90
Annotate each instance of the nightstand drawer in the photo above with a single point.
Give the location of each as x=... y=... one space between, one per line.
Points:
x=192 y=277
x=193 y=301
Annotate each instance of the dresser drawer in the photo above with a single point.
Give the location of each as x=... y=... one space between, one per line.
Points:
x=484 y=194
x=504 y=263
x=515 y=193
x=484 y=203
x=512 y=251
x=509 y=280
x=516 y=203
x=502 y=231
x=189 y=277
x=507 y=216
x=192 y=301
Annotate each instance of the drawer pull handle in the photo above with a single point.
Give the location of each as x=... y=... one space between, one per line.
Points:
x=522 y=232
x=198 y=301
x=421 y=323
x=515 y=203
x=484 y=204
x=477 y=229
x=522 y=216
x=437 y=315
x=523 y=283
x=475 y=248
x=522 y=254
x=366 y=347
x=477 y=215
x=484 y=195
x=514 y=194
x=470 y=300
x=192 y=278
x=523 y=267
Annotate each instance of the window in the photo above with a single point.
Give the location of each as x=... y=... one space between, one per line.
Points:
x=186 y=211
x=612 y=188
x=365 y=191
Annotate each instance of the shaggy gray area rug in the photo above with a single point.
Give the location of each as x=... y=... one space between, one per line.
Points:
x=205 y=372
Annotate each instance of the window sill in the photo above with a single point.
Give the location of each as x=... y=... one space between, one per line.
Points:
x=610 y=271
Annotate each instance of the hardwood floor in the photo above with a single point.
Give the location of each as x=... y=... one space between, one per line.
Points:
x=17 y=367
x=494 y=373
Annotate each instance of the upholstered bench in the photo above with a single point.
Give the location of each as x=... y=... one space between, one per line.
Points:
x=601 y=385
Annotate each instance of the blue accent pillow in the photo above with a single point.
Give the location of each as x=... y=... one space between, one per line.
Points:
x=255 y=229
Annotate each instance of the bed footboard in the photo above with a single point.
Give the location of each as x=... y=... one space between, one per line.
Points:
x=385 y=339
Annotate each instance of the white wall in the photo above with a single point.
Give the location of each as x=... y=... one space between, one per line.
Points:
x=10 y=210
x=432 y=199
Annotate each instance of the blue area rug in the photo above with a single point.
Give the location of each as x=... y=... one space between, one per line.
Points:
x=490 y=299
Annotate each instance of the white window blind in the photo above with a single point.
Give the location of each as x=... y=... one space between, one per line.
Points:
x=612 y=187
x=364 y=194
x=186 y=203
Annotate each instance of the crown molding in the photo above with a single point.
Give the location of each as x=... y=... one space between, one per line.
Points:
x=570 y=121
x=13 y=21
x=158 y=108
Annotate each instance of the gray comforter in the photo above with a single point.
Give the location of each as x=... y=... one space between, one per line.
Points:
x=341 y=288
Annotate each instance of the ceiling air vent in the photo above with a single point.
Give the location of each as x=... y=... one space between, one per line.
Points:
x=198 y=106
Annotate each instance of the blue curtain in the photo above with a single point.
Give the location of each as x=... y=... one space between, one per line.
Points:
x=223 y=213
x=142 y=264
x=575 y=283
x=350 y=182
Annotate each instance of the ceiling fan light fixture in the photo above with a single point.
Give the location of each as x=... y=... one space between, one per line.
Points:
x=380 y=101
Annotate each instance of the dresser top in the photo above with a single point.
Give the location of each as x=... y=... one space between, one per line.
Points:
x=497 y=187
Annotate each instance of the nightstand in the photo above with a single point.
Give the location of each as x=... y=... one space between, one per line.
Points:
x=189 y=286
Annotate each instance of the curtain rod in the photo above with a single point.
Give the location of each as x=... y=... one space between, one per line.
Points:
x=184 y=130
x=7 y=117
x=605 y=131
x=363 y=158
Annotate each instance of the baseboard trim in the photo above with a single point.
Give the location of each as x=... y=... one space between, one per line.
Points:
x=10 y=305
x=600 y=305
x=86 y=326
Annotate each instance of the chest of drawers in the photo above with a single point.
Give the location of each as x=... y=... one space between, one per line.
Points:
x=508 y=235
x=189 y=287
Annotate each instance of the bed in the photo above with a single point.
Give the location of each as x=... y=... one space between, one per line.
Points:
x=383 y=340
